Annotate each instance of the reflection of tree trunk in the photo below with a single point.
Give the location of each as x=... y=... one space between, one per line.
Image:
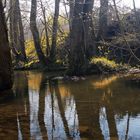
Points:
x=53 y=125
x=95 y=129
x=61 y=108
x=23 y=104
x=52 y=103
x=127 y=129
x=8 y=125
x=8 y=117
x=111 y=123
x=87 y=108
x=42 y=109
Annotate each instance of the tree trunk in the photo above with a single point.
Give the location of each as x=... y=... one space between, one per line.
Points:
x=21 y=31
x=71 y=3
x=15 y=26
x=77 y=57
x=137 y=16
x=89 y=37
x=35 y=33
x=103 y=19
x=11 y=29
x=54 y=31
x=16 y=32
x=46 y=30
x=5 y=58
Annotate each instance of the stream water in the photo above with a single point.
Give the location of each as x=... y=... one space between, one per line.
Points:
x=95 y=108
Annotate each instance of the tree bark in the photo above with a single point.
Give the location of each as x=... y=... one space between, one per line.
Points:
x=21 y=31
x=89 y=37
x=71 y=11
x=137 y=16
x=77 y=57
x=16 y=32
x=35 y=33
x=46 y=30
x=54 y=31
x=103 y=19
x=5 y=57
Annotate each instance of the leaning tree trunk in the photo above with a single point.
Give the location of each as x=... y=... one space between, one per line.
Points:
x=35 y=32
x=5 y=58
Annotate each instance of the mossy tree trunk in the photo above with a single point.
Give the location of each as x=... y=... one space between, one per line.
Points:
x=5 y=58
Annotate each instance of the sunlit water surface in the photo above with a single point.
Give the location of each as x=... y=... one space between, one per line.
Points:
x=95 y=108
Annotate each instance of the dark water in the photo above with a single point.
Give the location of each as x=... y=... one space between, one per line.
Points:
x=98 y=108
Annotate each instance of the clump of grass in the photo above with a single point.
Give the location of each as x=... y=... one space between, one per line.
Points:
x=104 y=64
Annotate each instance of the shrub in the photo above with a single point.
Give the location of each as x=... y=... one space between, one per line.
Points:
x=103 y=64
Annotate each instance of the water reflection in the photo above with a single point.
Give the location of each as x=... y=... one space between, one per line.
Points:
x=98 y=108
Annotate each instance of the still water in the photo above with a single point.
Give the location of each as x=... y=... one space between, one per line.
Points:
x=95 y=108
